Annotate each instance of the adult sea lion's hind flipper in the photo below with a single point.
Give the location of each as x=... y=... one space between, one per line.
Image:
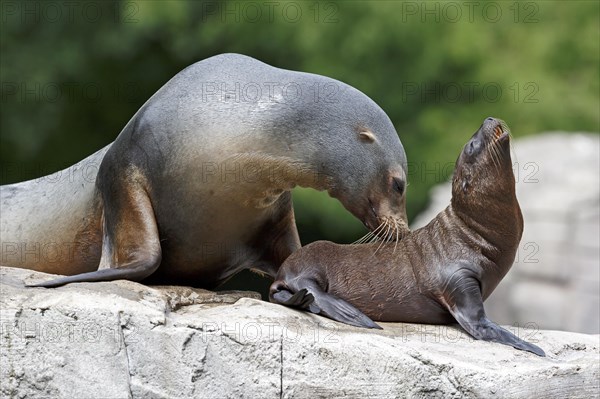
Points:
x=99 y=275
x=466 y=305
x=131 y=245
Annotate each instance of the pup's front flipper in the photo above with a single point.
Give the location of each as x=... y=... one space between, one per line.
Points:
x=322 y=303
x=340 y=310
x=301 y=299
x=466 y=305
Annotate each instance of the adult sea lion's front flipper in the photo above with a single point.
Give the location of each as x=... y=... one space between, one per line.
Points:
x=130 y=245
x=463 y=300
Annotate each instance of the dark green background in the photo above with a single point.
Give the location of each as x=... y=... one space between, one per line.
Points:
x=72 y=76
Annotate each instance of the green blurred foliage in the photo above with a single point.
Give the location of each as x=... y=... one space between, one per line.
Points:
x=73 y=74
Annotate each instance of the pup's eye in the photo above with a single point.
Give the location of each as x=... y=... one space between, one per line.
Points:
x=398 y=185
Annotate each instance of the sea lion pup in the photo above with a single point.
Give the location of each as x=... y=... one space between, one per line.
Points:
x=437 y=274
x=197 y=185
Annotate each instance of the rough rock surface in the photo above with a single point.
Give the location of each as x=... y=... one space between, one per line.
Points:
x=122 y=340
x=555 y=281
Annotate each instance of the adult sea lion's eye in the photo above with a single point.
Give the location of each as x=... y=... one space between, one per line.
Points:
x=398 y=185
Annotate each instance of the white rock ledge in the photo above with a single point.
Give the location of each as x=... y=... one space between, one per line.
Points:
x=126 y=340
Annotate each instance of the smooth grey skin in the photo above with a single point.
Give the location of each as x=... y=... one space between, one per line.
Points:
x=197 y=185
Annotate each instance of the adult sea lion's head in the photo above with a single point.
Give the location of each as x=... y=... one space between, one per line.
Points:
x=366 y=165
x=483 y=176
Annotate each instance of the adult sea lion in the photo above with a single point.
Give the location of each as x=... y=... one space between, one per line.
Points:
x=197 y=185
x=437 y=274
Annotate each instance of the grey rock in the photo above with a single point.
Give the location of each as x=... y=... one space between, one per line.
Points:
x=555 y=280
x=125 y=340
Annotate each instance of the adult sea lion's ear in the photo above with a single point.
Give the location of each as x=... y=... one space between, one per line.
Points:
x=366 y=135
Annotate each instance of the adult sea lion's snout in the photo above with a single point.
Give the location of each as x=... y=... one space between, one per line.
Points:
x=384 y=211
x=391 y=208
x=371 y=180
x=378 y=201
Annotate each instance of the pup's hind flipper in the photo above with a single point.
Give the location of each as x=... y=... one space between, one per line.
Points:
x=466 y=305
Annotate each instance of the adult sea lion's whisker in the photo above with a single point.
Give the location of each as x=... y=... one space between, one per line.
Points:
x=363 y=238
x=369 y=236
x=378 y=232
x=397 y=228
x=385 y=235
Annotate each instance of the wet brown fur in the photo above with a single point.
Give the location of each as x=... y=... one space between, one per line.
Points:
x=424 y=278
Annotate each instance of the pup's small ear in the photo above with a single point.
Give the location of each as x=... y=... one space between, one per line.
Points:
x=367 y=136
